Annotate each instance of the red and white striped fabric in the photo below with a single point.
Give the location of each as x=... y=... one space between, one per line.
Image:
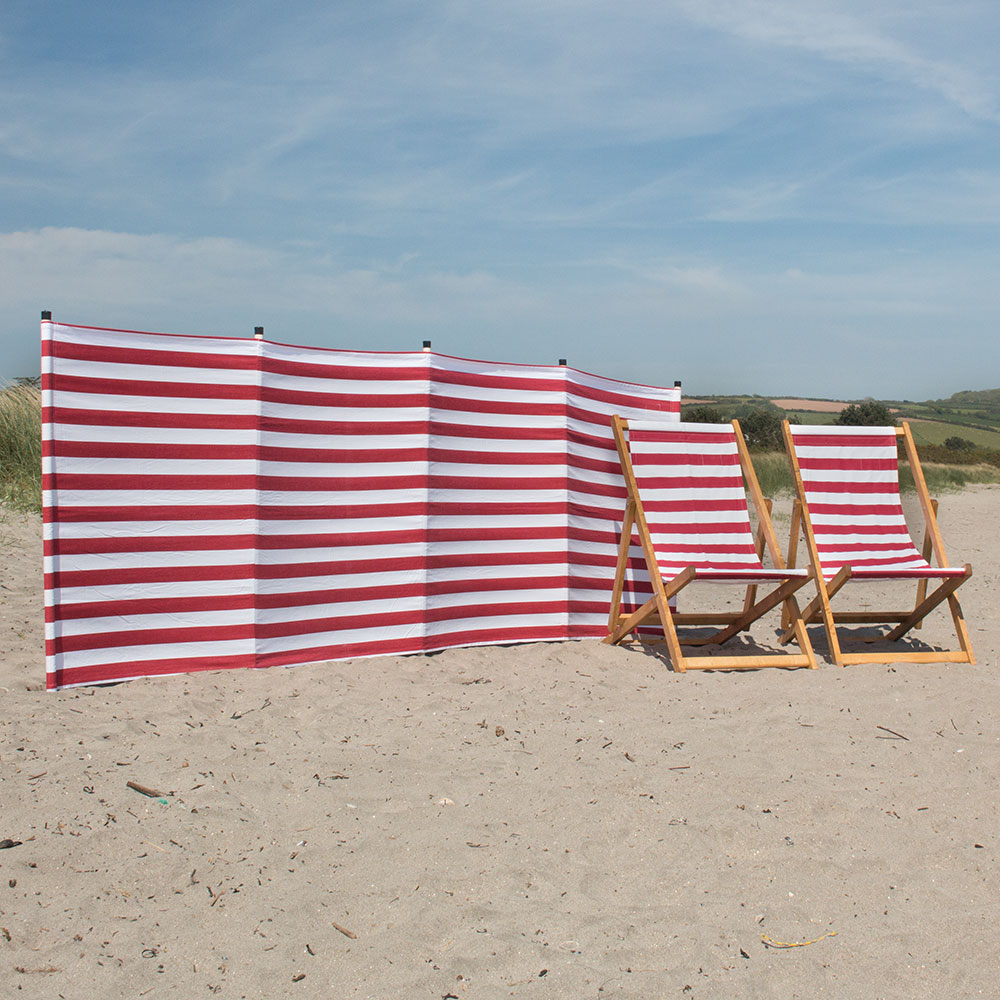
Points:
x=851 y=481
x=214 y=503
x=691 y=486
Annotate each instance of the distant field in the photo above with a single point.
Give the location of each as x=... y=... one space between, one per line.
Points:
x=924 y=431
x=811 y=405
x=937 y=432
x=957 y=416
x=811 y=416
x=972 y=416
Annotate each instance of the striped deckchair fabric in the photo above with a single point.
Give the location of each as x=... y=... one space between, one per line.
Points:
x=686 y=502
x=851 y=515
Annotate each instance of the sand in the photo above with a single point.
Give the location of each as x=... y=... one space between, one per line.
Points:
x=550 y=820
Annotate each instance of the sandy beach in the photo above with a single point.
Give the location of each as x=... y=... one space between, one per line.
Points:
x=549 y=820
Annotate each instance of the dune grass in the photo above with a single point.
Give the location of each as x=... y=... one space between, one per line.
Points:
x=773 y=472
x=21 y=448
x=948 y=478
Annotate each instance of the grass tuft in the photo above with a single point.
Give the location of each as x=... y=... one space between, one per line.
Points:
x=773 y=472
x=21 y=448
x=948 y=478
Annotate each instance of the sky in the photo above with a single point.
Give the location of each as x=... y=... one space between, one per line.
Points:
x=764 y=196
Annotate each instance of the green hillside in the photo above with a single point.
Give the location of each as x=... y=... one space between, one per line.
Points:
x=969 y=408
x=958 y=437
x=962 y=414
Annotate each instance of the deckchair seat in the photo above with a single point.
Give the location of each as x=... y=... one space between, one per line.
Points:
x=686 y=499
x=851 y=514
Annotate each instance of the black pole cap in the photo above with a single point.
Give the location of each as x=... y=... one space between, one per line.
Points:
x=677 y=383
x=427 y=345
x=46 y=314
x=258 y=332
x=562 y=362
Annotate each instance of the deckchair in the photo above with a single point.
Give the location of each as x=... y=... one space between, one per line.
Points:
x=849 y=511
x=686 y=501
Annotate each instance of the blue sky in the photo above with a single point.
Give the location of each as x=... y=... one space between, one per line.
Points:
x=772 y=196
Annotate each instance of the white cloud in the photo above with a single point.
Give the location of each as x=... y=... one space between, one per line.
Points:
x=864 y=328
x=861 y=38
x=225 y=286
x=548 y=178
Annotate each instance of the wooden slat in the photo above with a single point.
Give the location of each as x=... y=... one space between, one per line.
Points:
x=622 y=563
x=815 y=607
x=707 y=618
x=959 y=620
x=761 y=608
x=793 y=549
x=941 y=656
x=925 y=552
x=870 y=617
x=758 y=543
x=633 y=621
x=698 y=618
x=928 y=604
x=920 y=483
x=788 y=660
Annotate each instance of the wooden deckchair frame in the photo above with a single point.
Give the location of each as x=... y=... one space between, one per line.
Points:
x=819 y=609
x=658 y=606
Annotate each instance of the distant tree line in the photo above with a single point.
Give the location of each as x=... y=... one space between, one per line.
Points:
x=870 y=413
x=956 y=443
x=761 y=425
x=761 y=421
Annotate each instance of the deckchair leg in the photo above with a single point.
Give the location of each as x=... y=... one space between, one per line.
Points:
x=821 y=604
x=963 y=632
x=784 y=596
x=670 y=631
x=802 y=638
x=793 y=546
x=928 y=604
x=751 y=594
x=831 y=628
x=925 y=551
x=944 y=592
x=623 y=550
x=772 y=600
x=633 y=621
x=793 y=540
x=664 y=593
x=658 y=605
x=808 y=616
x=815 y=607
